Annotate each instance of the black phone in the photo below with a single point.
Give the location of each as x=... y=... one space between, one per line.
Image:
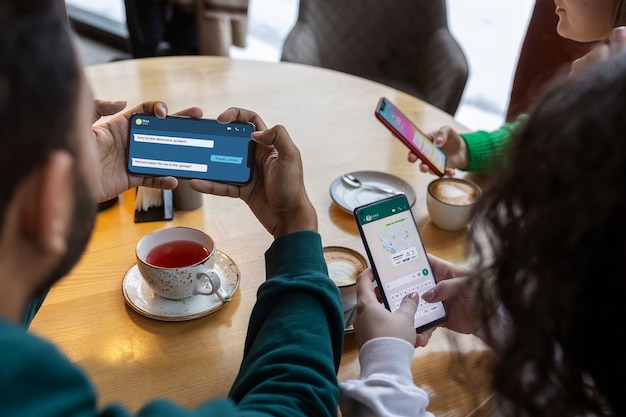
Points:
x=420 y=144
x=398 y=257
x=185 y=147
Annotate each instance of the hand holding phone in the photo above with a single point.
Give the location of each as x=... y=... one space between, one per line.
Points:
x=411 y=136
x=376 y=321
x=398 y=258
x=191 y=148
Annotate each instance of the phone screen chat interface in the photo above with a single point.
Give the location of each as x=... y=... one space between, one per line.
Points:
x=399 y=256
x=403 y=125
x=189 y=148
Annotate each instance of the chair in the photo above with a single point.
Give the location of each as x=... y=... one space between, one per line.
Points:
x=405 y=44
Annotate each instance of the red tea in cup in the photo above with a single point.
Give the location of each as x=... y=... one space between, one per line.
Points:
x=178 y=262
x=177 y=253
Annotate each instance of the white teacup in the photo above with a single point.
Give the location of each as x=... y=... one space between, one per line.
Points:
x=344 y=265
x=178 y=262
x=450 y=202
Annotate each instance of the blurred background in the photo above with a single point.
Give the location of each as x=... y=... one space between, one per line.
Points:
x=489 y=31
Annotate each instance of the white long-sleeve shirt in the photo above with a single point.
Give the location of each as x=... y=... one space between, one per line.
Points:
x=386 y=385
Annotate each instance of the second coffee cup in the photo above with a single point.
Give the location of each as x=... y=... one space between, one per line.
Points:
x=450 y=202
x=178 y=262
x=344 y=265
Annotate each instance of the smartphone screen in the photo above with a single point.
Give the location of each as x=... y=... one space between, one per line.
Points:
x=411 y=136
x=397 y=256
x=184 y=147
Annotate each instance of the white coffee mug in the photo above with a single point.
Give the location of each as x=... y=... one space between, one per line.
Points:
x=178 y=262
x=450 y=202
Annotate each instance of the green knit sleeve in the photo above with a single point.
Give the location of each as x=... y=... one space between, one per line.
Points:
x=487 y=150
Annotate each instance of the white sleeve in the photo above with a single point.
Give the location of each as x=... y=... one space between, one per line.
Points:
x=386 y=385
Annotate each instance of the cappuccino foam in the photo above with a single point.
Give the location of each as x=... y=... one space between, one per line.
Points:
x=344 y=265
x=455 y=192
x=342 y=273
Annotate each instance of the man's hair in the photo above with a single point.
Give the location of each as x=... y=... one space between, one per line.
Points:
x=39 y=82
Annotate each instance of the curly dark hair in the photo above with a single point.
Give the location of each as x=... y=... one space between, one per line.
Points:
x=549 y=238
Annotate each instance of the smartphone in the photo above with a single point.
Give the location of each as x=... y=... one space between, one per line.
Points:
x=411 y=136
x=397 y=256
x=185 y=147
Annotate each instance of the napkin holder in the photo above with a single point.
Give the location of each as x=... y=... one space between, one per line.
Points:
x=153 y=205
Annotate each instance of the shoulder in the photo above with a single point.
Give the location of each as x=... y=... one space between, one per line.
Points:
x=34 y=368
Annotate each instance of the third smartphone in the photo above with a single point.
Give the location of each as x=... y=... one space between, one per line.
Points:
x=397 y=256
x=411 y=136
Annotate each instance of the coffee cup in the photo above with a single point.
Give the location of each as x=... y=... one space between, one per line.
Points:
x=450 y=202
x=178 y=262
x=344 y=265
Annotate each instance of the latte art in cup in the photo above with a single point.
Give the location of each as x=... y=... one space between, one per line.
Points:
x=343 y=272
x=451 y=191
x=344 y=265
x=450 y=202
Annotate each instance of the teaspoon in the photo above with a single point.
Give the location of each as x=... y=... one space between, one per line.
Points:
x=354 y=182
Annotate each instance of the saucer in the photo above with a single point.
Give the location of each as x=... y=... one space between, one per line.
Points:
x=143 y=300
x=348 y=198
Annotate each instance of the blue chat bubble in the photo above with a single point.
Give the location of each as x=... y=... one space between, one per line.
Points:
x=226 y=159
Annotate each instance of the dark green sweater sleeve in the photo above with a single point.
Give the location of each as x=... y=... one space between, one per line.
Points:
x=487 y=150
x=295 y=336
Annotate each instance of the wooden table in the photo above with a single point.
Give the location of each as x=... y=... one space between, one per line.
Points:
x=329 y=115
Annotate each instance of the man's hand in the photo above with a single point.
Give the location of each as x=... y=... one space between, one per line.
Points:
x=112 y=145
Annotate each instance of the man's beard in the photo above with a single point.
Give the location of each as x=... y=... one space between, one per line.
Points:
x=85 y=209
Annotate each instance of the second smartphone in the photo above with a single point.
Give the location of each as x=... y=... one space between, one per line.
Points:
x=185 y=147
x=411 y=136
x=397 y=256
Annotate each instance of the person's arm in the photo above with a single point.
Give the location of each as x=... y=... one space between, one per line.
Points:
x=386 y=384
x=482 y=152
x=487 y=150
x=295 y=336
x=386 y=342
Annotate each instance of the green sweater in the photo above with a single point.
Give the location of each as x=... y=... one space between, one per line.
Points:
x=291 y=355
x=487 y=150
